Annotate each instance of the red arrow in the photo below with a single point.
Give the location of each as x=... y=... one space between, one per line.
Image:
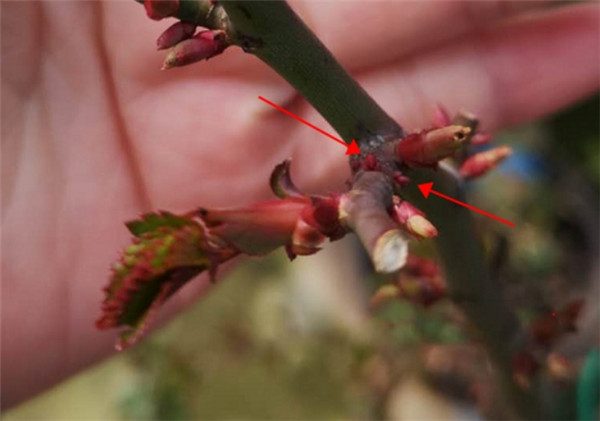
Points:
x=427 y=188
x=352 y=148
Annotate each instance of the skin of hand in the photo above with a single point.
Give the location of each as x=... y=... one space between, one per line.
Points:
x=93 y=134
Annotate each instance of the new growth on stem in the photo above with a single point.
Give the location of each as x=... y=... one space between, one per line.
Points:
x=168 y=250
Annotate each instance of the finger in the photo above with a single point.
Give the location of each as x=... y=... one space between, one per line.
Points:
x=510 y=74
x=368 y=34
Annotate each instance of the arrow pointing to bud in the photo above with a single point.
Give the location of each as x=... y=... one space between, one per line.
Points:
x=427 y=188
x=351 y=149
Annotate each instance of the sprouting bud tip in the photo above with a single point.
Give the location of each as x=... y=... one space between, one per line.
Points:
x=481 y=138
x=175 y=34
x=482 y=162
x=419 y=226
x=447 y=137
x=160 y=9
x=412 y=219
x=429 y=147
x=203 y=45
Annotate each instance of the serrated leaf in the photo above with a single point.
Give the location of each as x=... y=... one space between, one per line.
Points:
x=152 y=221
x=168 y=251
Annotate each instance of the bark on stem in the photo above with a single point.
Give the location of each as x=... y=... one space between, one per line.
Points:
x=364 y=211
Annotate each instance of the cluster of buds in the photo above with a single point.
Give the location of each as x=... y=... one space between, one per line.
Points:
x=552 y=324
x=482 y=162
x=427 y=148
x=543 y=333
x=187 y=46
x=419 y=282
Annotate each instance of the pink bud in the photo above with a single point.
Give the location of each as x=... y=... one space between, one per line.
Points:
x=402 y=210
x=481 y=138
x=480 y=163
x=174 y=34
x=427 y=148
x=366 y=162
x=400 y=179
x=204 y=45
x=412 y=219
x=160 y=9
x=370 y=162
x=420 y=227
x=257 y=229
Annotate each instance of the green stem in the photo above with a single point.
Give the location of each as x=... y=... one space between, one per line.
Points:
x=275 y=34
x=470 y=286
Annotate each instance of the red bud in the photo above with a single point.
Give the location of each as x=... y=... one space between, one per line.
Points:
x=427 y=148
x=204 y=45
x=480 y=163
x=412 y=219
x=174 y=34
x=160 y=9
x=400 y=179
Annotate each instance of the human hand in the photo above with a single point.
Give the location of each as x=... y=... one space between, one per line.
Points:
x=94 y=133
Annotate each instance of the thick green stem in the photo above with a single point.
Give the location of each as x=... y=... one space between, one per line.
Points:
x=275 y=34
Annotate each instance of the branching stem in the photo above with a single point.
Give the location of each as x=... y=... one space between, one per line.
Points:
x=273 y=32
x=276 y=35
x=365 y=211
